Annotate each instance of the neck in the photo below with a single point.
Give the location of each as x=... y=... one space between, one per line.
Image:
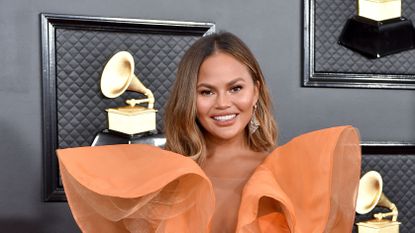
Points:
x=228 y=147
x=231 y=158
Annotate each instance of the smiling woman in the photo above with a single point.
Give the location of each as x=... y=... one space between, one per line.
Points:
x=225 y=93
x=219 y=88
x=226 y=97
x=220 y=172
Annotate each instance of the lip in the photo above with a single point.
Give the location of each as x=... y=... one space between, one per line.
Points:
x=225 y=119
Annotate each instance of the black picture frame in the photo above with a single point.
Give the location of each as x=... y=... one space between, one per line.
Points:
x=328 y=64
x=388 y=148
x=50 y=23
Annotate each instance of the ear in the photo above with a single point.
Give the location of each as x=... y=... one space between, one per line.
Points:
x=256 y=92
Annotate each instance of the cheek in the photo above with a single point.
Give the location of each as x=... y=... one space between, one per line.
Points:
x=202 y=106
x=246 y=102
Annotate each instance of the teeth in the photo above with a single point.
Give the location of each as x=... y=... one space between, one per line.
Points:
x=225 y=117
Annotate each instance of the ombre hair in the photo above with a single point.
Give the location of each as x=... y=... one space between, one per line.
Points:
x=183 y=132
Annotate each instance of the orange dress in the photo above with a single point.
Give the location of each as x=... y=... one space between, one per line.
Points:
x=308 y=185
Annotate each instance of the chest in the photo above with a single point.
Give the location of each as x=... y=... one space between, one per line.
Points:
x=228 y=192
x=228 y=180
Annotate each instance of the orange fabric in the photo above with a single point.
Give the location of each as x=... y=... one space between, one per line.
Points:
x=135 y=188
x=307 y=185
x=312 y=181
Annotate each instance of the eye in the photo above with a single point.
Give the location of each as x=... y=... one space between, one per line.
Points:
x=206 y=92
x=236 y=89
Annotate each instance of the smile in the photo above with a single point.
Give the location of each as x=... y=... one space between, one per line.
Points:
x=224 y=117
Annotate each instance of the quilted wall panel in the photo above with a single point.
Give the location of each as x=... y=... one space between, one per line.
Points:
x=328 y=64
x=330 y=17
x=398 y=174
x=75 y=50
x=81 y=56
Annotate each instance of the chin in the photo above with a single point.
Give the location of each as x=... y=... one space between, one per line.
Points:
x=228 y=135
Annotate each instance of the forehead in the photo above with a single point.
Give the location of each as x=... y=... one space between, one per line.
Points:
x=222 y=67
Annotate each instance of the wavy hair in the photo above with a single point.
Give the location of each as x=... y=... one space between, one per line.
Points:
x=183 y=132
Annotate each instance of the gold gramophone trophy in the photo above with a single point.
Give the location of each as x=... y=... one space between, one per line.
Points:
x=117 y=77
x=369 y=196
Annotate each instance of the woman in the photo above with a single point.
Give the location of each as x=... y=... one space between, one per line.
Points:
x=219 y=115
x=227 y=118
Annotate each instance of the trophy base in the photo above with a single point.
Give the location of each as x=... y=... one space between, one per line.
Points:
x=378 y=226
x=375 y=39
x=109 y=137
x=131 y=120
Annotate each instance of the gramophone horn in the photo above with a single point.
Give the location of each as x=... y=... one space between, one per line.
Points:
x=370 y=191
x=370 y=195
x=118 y=76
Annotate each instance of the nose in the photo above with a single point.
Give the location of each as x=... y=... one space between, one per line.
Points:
x=223 y=101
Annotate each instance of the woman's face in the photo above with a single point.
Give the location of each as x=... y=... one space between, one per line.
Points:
x=226 y=95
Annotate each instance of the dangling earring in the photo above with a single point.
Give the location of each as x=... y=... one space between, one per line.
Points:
x=253 y=123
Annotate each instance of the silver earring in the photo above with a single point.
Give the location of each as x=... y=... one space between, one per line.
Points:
x=253 y=123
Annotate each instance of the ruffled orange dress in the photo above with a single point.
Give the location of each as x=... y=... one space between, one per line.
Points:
x=308 y=185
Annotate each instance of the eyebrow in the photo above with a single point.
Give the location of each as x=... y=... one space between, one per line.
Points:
x=228 y=84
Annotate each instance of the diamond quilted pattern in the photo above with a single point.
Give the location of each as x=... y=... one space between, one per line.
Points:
x=329 y=19
x=398 y=173
x=80 y=59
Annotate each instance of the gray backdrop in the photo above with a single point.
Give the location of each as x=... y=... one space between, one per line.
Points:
x=273 y=30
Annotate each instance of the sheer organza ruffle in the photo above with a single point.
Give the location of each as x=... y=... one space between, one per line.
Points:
x=307 y=185
x=135 y=188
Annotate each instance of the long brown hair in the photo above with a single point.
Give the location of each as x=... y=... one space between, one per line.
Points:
x=183 y=133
